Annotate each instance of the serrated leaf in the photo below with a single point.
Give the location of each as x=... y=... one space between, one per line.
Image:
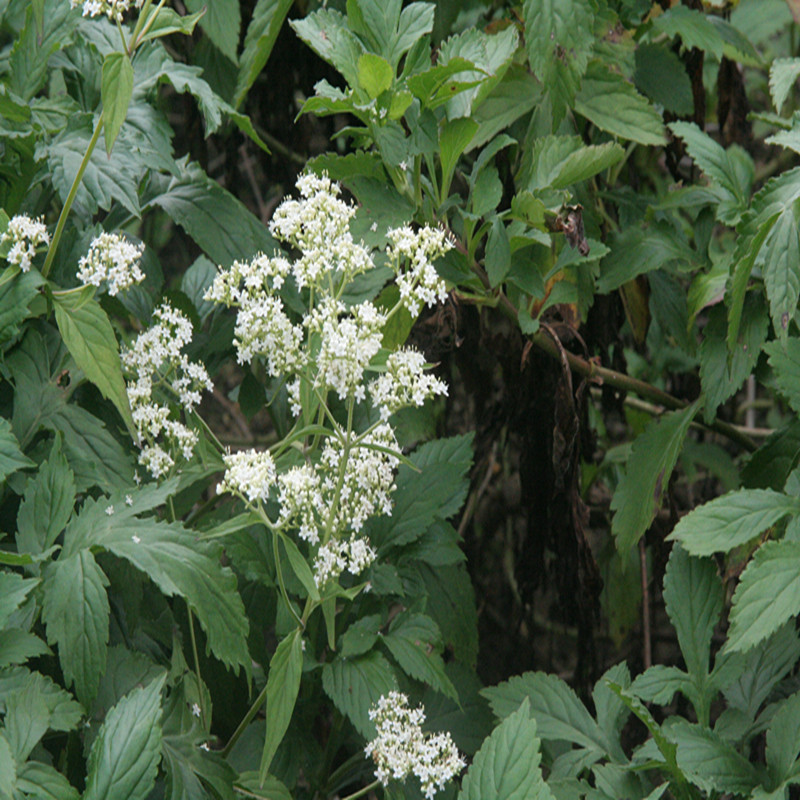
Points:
x=42 y=782
x=783 y=73
x=269 y=789
x=116 y=91
x=356 y=684
x=767 y=595
x=326 y=32
x=75 y=610
x=15 y=297
x=268 y=17
x=360 y=636
x=168 y=21
x=783 y=739
x=659 y=683
x=770 y=465
x=221 y=23
x=375 y=74
x=18 y=646
x=65 y=712
x=732 y=520
x=283 y=684
x=26 y=721
x=693 y=28
x=8 y=768
x=13 y=591
x=611 y=103
x=785 y=361
x=415 y=642
x=124 y=758
x=640 y=491
x=661 y=76
x=693 y=597
x=560 y=716
x=11 y=457
x=507 y=767
x=91 y=341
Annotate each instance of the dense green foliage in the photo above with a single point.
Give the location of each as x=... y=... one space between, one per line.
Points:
x=617 y=181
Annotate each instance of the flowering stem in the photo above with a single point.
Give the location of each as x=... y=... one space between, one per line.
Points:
x=73 y=190
x=362 y=792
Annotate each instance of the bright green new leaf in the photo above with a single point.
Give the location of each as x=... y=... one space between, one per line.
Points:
x=610 y=102
x=732 y=520
x=768 y=594
x=124 y=759
x=283 y=684
x=75 y=610
x=783 y=73
x=375 y=74
x=641 y=490
x=507 y=767
x=91 y=341
x=116 y=92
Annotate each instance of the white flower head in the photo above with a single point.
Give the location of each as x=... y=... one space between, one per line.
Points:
x=250 y=473
x=25 y=235
x=301 y=501
x=401 y=748
x=113 y=9
x=405 y=383
x=113 y=259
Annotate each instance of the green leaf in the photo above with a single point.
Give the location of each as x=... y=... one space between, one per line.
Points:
x=415 y=642
x=176 y=562
x=507 y=767
x=283 y=684
x=11 y=457
x=785 y=360
x=770 y=465
x=559 y=40
x=711 y=763
x=732 y=520
x=693 y=27
x=17 y=646
x=91 y=341
x=560 y=161
x=783 y=739
x=75 y=610
x=8 y=769
x=268 y=17
x=454 y=138
x=360 y=636
x=783 y=73
x=300 y=568
x=123 y=761
x=560 y=716
x=375 y=74
x=269 y=789
x=659 y=683
x=640 y=491
x=13 y=591
x=693 y=597
x=223 y=227
x=767 y=595
x=42 y=782
x=26 y=721
x=15 y=297
x=661 y=76
x=168 y=21
x=116 y=92
x=326 y=32
x=356 y=684
x=498 y=253
x=65 y=713
x=221 y=22
x=47 y=504
x=612 y=104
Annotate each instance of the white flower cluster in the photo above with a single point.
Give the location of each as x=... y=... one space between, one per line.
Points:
x=337 y=556
x=402 y=749
x=25 y=235
x=155 y=360
x=405 y=383
x=419 y=284
x=113 y=259
x=113 y=9
x=301 y=501
x=250 y=473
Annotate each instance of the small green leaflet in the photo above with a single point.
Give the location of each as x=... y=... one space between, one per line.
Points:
x=116 y=92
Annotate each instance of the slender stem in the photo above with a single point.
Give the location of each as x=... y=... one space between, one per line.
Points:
x=136 y=40
x=246 y=720
x=73 y=190
x=122 y=36
x=648 y=651
x=197 y=667
x=279 y=570
x=362 y=792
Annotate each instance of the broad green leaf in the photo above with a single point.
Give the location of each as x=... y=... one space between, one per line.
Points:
x=326 y=32
x=454 y=138
x=693 y=27
x=8 y=768
x=13 y=591
x=92 y=343
x=661 y=76
x=42 y=782
x=176 y=562
x=436 y=492
x=611 y=712
x=586 y=162
x=659 y=683
x=356 y=684
x=560 y=161
x=636 y=251
x=640 y=491
x=507 y=767
x=781 y=269
x=116 y=92
x=18 y=646
x=732 y=520
x=221 y=23
x=735 y=45
x=415 y=642
x=498 y=253
x=560 y=716
x=11 y=457
x=124 y=759
x=375 y=74
x=47 y=504
x=784 y=358
x=783 y=74
x=283 y=684
x=710 y=762
x=269 y=789
x=75 y=610
x=693 y=597
x=770 y=465
x=435 y=86
x=734 y=175
x=223 y=227
x=65 y=713
x=26 y=721
x=612 y=104
x=168 y=22
x=268 y=17
x=559 y=40
x=300 y=567
x=16 y=295
x=783 y=739
x=768 y=594
x=360 y=636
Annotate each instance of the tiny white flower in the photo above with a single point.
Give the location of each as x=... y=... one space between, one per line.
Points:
x=403 y=166
x=205 y=747
x=25 y=235
x=113 y=9
x=195 y=710
x=374 y=227
x=113 y=259
x=135 y=539
x=109 y=510
x=250 y=473
x=128 y=500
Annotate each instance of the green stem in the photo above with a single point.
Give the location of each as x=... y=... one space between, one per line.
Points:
x=246 y=720
x=73 y=190
x=197 y=667
x=279 y=570
x=362 y=792
x=137 y=39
